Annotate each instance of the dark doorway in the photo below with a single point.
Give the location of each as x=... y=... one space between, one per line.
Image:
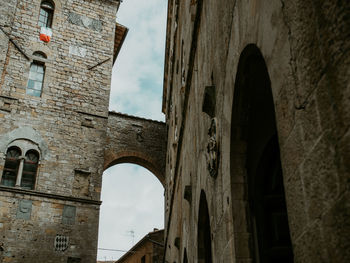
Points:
x=269 y=207
x=204 y=236
x=253 y=122
x=185 y=260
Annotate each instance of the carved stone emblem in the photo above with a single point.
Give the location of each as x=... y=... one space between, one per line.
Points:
x=212 y=153
x=61 y=243
x=139 y=135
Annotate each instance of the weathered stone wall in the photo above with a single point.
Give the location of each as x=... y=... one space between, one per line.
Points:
x=7 y=14
x=71 y=114
x=67 y=123
x=136 y=140
x=306 y=49
x=23 y=241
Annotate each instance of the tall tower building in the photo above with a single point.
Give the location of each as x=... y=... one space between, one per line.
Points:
x=55 y=73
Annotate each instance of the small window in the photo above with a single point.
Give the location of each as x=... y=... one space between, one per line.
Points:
x=36 y=76
x=29 y=170
x=11 y=167
x=46 y=14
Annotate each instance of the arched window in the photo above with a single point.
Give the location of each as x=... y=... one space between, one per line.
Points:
x=36 y=75
x=46 y=14
x=11 y=166
x=29 y=170
x=20 y=170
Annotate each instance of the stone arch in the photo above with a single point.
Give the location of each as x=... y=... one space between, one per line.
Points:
x=136 y=140
x=253 y=126
x=23 y=134
x=25 y=146
x=138 y=158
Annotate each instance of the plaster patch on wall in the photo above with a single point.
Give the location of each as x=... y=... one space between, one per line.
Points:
x=81 y=184
x=84 y=21
x=68 y=215
x=24 y=209
x=77 y=51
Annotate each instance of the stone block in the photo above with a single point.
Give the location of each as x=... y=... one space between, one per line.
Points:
x=296 y=206
x=24 y=209
x=81 y=183
x=309 y=124
x=292 y=152
x=311 y=246
x=336 y=228
x=343 y=163
x=238 y=191
x=68 y=215
x=240 y=216
x=285 y=113
x=320 y=178
x=243 y=245
x=325 y=103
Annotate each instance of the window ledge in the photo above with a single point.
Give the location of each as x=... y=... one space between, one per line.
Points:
x=47 y=195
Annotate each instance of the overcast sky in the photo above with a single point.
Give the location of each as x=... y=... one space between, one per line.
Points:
x=133 y=198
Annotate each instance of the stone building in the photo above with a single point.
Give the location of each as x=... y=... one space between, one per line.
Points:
x=56 y=134
x=150 y=249
x=257 y=104
x=55 y=72
x=254 y=156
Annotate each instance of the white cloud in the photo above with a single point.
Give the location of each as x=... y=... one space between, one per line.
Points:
x=141 y=58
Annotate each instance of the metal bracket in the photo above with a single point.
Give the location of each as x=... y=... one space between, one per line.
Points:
x=98 y=64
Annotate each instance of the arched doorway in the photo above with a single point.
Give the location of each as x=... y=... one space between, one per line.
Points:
x=185 y=260
x=253 y=124
x=132 y=206
x=204 y=253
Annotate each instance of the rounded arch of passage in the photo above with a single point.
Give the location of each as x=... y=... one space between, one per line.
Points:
x=136 y=140
x=138 y=158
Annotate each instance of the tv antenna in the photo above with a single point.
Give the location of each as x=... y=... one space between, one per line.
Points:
x=132 y=234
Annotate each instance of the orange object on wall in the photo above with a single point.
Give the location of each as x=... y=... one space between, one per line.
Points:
x=45 y=34
x=44 y=38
